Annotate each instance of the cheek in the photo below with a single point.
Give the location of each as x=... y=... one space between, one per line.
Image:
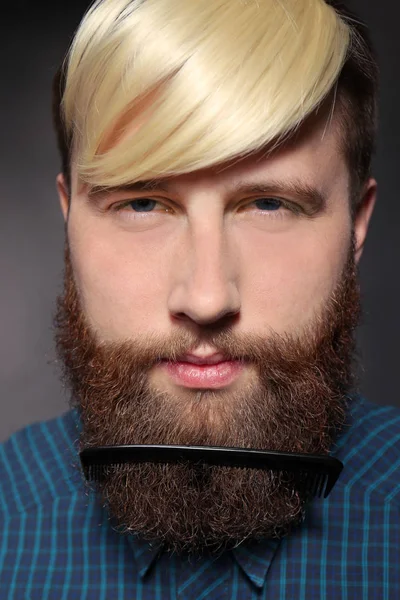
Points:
x=292 y=277
x=120 y=285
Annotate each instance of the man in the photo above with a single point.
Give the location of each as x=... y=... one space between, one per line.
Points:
x=216 y=192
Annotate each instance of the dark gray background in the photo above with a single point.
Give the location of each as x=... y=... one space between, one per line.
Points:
x=34 y=38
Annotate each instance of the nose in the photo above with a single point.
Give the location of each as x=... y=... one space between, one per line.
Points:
x=204 y=286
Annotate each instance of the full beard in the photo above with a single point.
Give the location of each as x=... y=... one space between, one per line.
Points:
x=297 y=402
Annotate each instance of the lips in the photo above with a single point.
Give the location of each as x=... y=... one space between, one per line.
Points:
x=214 y=371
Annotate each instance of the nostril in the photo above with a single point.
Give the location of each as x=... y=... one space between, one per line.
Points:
x=220 y=321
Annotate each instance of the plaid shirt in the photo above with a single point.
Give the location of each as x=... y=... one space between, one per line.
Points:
x=56 y=541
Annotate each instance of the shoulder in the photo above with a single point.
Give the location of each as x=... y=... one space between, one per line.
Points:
x=369 y=448
x=39 y=464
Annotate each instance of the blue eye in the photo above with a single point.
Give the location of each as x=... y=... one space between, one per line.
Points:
x=143 y=205
x=268 y=204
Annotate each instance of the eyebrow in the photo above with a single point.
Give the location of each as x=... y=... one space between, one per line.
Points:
x=138 y=186
x=308 y=194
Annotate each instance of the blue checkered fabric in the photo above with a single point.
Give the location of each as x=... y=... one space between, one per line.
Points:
x=57 y=542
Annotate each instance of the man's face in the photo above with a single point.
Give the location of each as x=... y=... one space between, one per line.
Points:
x=161 y=276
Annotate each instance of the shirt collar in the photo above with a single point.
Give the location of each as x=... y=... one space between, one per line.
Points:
x=253 y=558
x=144 y=552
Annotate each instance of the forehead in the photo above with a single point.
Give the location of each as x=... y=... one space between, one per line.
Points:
x=313 y=154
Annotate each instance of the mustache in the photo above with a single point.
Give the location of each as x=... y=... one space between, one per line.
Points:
x=275 y=349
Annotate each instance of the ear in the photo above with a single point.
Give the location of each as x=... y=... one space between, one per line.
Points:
x=63 y=195
x=363 y=216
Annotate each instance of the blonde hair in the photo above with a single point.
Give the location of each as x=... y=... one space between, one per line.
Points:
x=163 y=87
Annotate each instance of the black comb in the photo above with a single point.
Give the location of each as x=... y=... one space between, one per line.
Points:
x=314 y=473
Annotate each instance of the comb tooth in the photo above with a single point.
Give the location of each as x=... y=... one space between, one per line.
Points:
x=313 y=478
x=315 y=485
x=322 y=485
x=330 y=481
x=318 y=478
x=317 y=482
x=322 y=479
x=308 y=483
x=304 y=478
x=301 y=479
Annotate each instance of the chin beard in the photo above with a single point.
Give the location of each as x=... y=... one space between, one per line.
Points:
x=297 y=403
